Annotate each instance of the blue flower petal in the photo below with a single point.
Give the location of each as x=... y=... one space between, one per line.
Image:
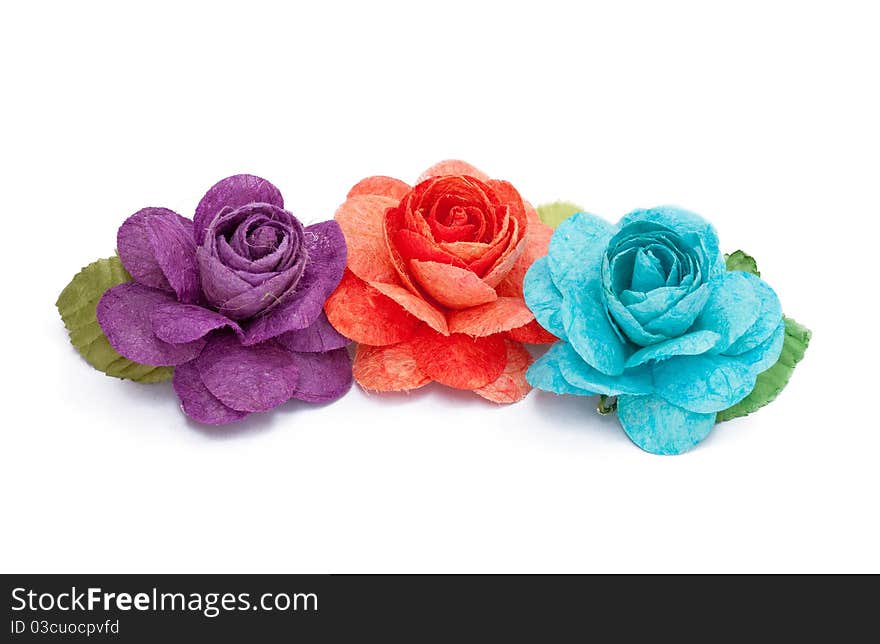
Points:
x=581 y=375
x=647 y=273
x=704 y=383
x=545 y=374
x=767 y=353
x=575 y=258
x=767 y=322
x=691 y=344
x=681 y=315
x=682 y=222
x=576 y=250
x=543 y=298
x=659 y=427
x=732 y=307
x=590 y=332
x=653 y=304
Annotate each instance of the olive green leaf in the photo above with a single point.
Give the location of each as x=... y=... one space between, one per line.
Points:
x=555 y=213
x=740 y=261
x=77 y=304
x=772 y=381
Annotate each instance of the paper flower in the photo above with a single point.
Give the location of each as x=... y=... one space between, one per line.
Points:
x=648 y=311
x=433 y=290
x=232 y=300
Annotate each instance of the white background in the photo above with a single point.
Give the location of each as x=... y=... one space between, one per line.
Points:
x=762 y=116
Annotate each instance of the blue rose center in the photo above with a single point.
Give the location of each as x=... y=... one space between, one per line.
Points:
x=650 y=275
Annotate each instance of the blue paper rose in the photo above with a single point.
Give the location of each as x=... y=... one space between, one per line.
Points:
x=647 y=311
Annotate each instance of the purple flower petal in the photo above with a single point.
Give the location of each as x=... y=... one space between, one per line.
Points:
x=124 y=315
x=323 y=376
x=255 y=378
x=269 y=294
x=320 y=336
x=197 y=402
x=219 y=283
x=327 y=257
x=156 y=246
x=177 y=323
x=232 y=192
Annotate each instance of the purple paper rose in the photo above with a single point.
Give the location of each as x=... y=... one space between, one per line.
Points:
x=233 y=299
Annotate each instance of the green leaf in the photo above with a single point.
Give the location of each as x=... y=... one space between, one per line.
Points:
x=77 y=304
x=772 y=381
x=739 y=261
x=555 y=213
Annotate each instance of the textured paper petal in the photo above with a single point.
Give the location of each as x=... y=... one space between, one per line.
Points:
x=156 y=247
x=506 y=263
x=319 y=337
x=575 y=259
x=681 y=315
x=453 y=166
x=414 y=305
x=626 y=322
x=532 y=333
x=458 y=360
x=365 y=315
x=633 y=381
x=773 y=380
x=325 y=245
x=380 y=186
x=511 y=385
x=659 y=427
x=691 y=344
x=503 y=314
x=546 y=373
x=255 y=378
x=175 y=252
x=587 y=327
x=732 y=308
x=181 y=323
x=197 y=402
x=576 y=251
x=768 y=319
x=555 y=213
x=232 y=192
x=765 y=354
x=268 y=294
x=682 y=222
x=323 y=377
x=543 y=298
x=361 y=219
x=77 y=305
x=391 y=368
x=124 y=314
x=537 y=245
x=705 y=383
x=453 y=287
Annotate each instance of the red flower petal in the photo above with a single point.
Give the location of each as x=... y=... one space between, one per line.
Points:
x=458 y=360
x=361 y=219
x=415 y=305
x=453 y=287
x=532 y=333
x=453 y=166
x=380 y=186
x=363 y=314
x=411 y=245
x=391 y=368
x=537 y=244
x=503 y=314
x=511 y=385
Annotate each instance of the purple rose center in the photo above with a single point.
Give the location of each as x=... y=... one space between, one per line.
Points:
x=261 y=257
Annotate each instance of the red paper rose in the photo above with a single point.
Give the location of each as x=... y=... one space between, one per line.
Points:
x=433 y=289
